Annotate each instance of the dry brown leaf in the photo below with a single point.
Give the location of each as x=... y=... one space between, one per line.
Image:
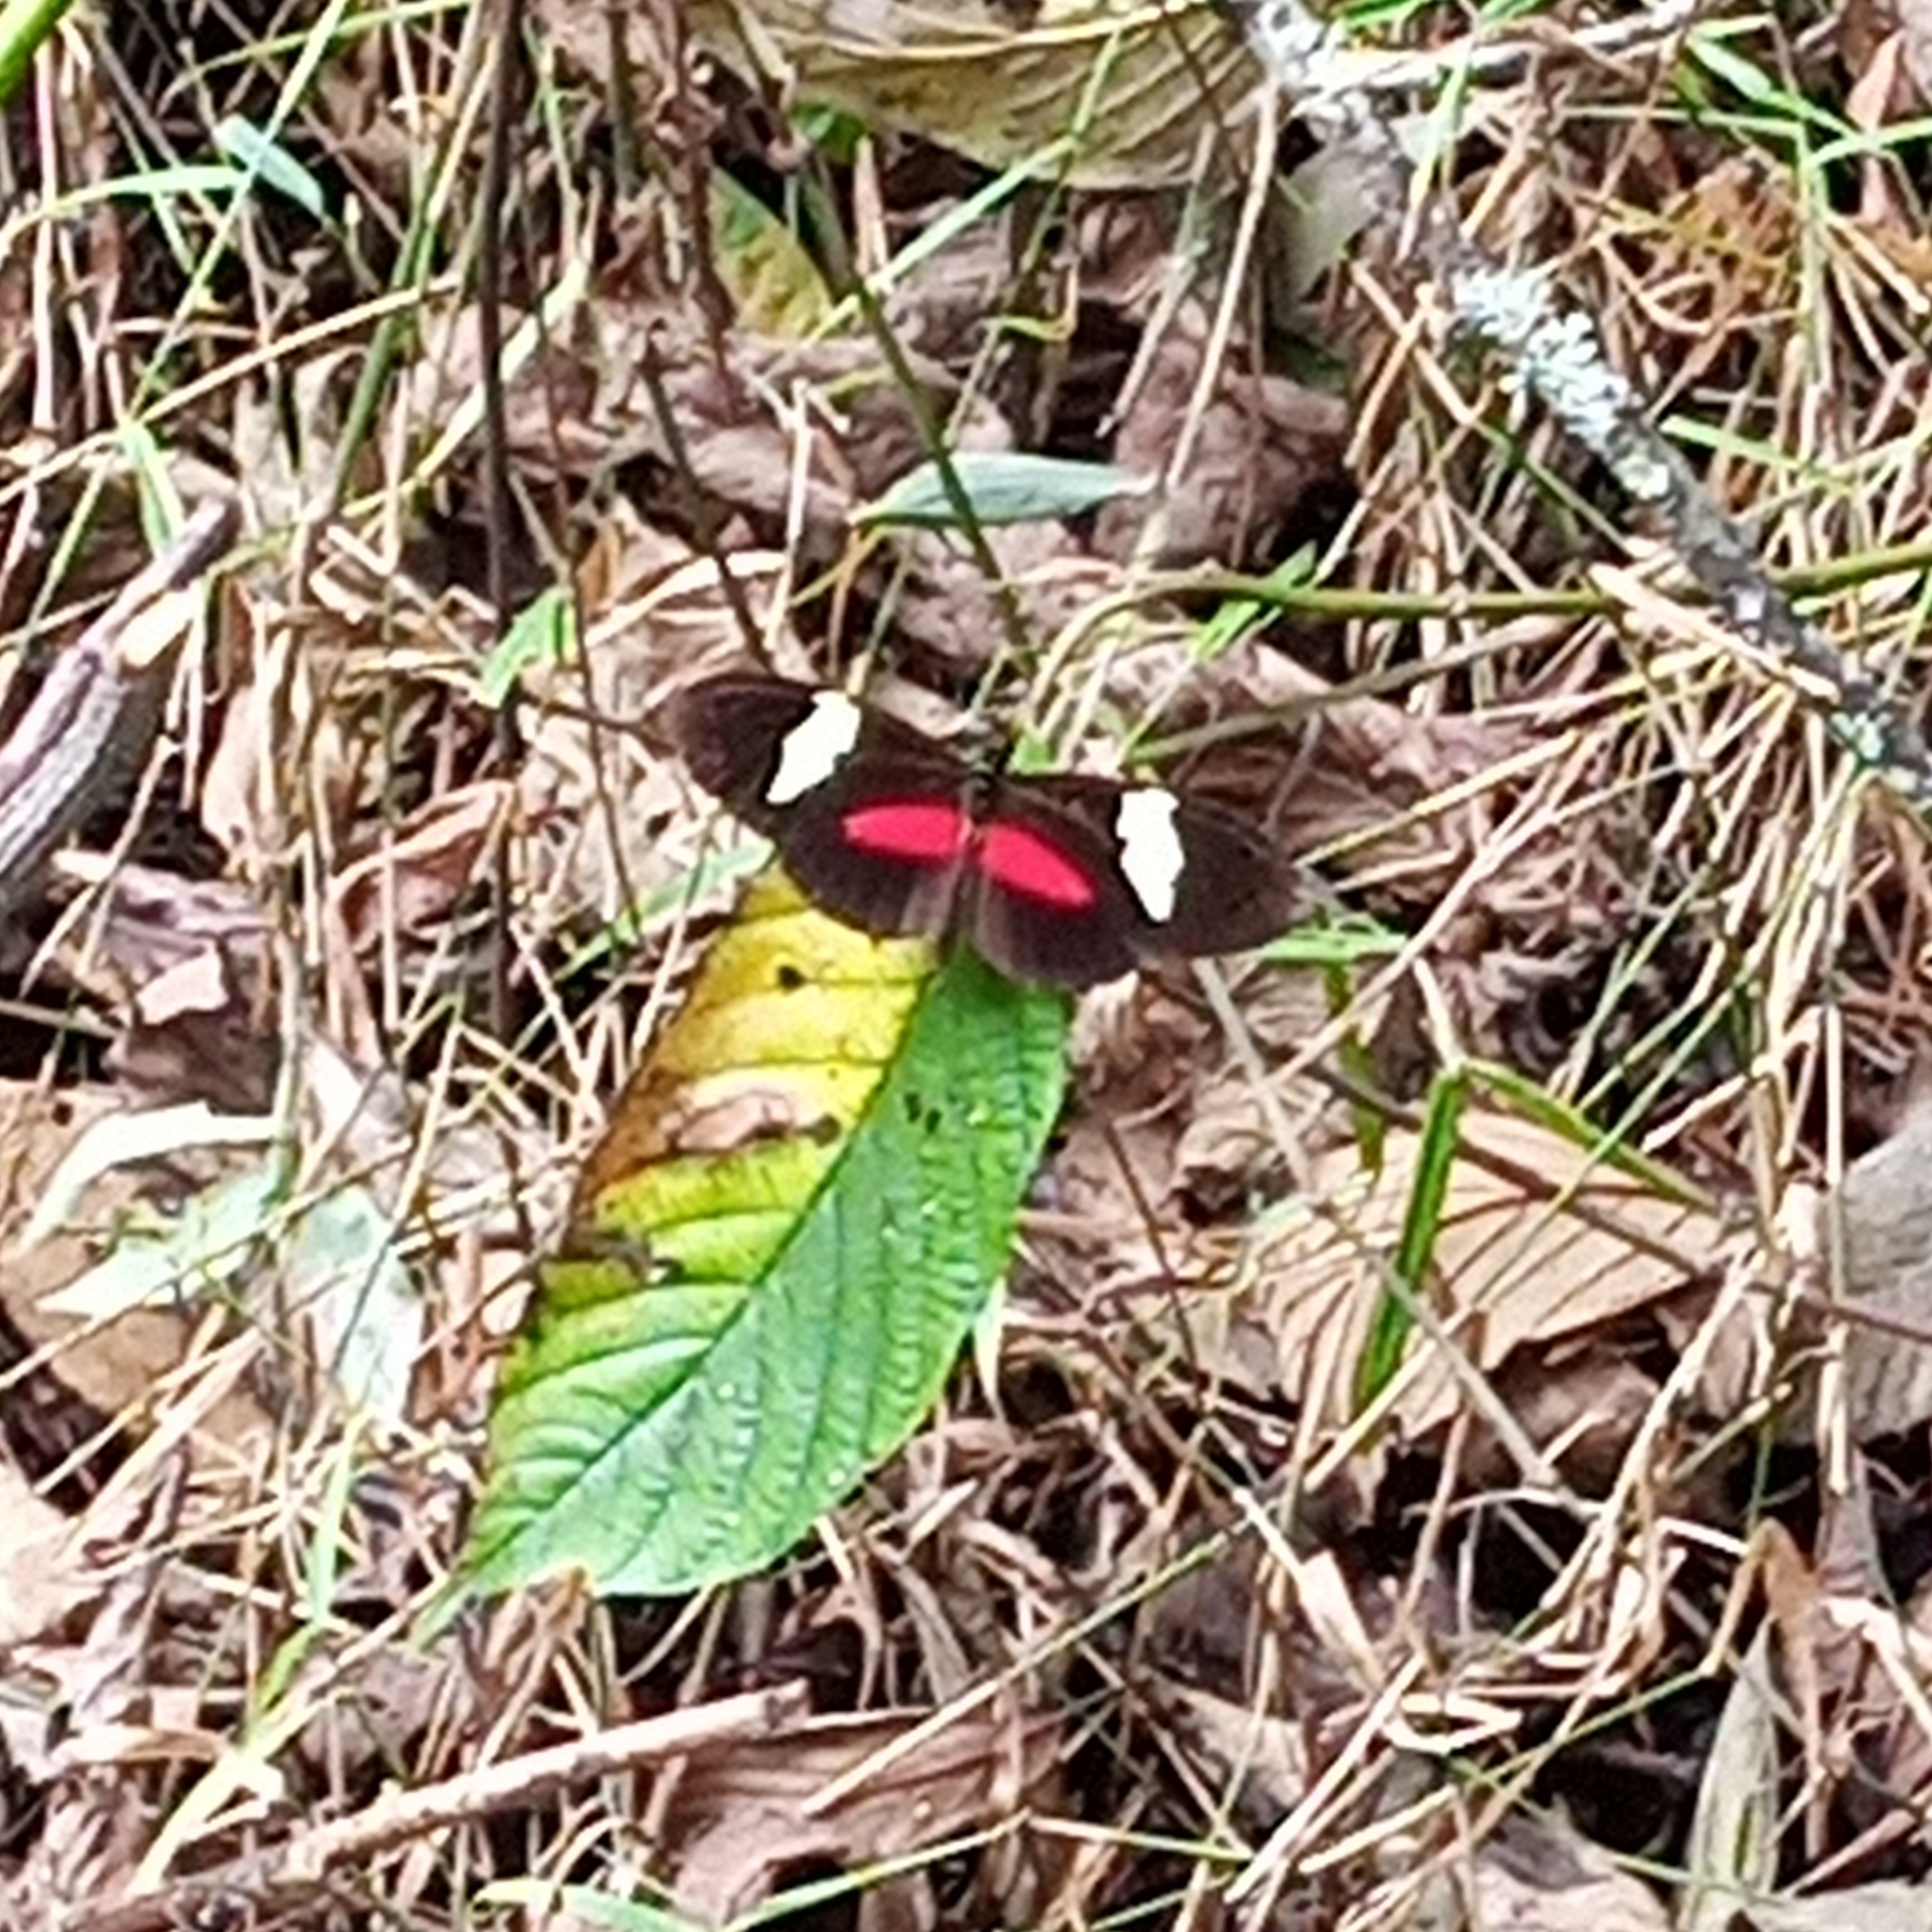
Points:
x=998 y=83
x=948 y=606
x=1792 y=1597
x=1536 y=1243
x=1580 y=1403
x=44 y=1574
x=1168 y=1120
x=1270 y=1753
x=1722 y=253
x=740 y=1817
x=806 y=433
x=1865 y=1745
x=1157 y=1162
x=146 y=921
x=1915 y=30
x=235 y=777
x=771 y=425
x=1885 y=1211
x=424 y=867
x=1262 y=445
x=107 y=1684
x=196 y=1036
x=1538 y=1876
x=191 y=957
x=1869 y=105
x=1893 y=1742
x=288 y=441
x=1886 y=1906
x=595 y=794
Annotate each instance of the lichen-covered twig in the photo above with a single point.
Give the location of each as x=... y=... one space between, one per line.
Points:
x=1555 y=356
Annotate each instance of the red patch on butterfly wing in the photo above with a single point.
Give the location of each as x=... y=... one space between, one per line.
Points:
x=910 y=829
x=1025 y=862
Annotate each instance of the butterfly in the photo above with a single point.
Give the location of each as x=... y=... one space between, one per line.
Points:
x=1057 y=878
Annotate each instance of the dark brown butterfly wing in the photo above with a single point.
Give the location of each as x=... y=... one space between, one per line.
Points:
x=876 y=833
x=1210 y=883
x=732 y=730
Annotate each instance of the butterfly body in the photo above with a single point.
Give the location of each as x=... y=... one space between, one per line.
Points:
x=1060 y=878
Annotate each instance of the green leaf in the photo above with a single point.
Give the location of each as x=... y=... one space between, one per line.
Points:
x=1607 y=1147
x=763 y=265
x=803 y=1200
x=342 y=1268
x=1002 y=486
x=335 y=1256
x=1421 y=1224
x=268 y=162
x=1236 y=617
x=159 y=1262
x=540 y=633
x=1710 y=49
x=836 y=135
x=1336 y=941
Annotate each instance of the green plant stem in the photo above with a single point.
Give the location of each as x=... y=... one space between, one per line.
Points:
x=23 y=24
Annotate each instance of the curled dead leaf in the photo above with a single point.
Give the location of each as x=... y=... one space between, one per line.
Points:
x=740 y=1815
x=422 y=866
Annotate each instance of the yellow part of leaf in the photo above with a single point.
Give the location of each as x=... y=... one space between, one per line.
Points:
x=774 y=283
x=741 y=1109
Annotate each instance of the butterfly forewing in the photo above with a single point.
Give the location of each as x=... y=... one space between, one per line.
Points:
x=883 y=842
x=763 y=744
x=1189 y=877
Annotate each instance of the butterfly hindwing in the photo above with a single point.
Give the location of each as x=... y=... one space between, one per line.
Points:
x=1045 y=899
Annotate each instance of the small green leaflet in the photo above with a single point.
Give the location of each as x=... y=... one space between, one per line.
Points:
x=540 y=633
x=1002 y=486
x=270 y=162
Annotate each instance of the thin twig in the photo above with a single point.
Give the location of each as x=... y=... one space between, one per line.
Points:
x=93 y=722
x=503 y=63
x=302 y=1863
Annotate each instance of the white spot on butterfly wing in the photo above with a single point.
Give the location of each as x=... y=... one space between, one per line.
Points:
x=815 y=747
x=1151 y=855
